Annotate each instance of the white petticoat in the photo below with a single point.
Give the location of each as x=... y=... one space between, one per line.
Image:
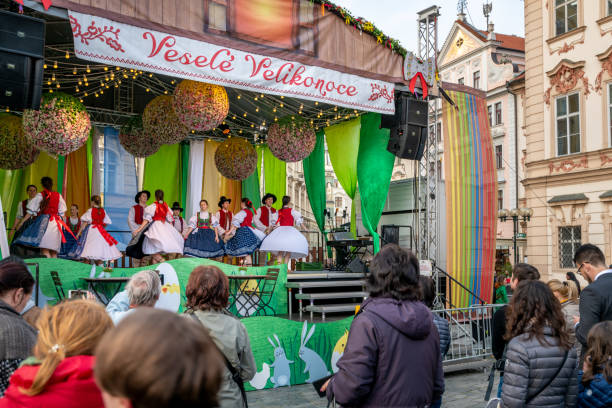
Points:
x=52 y=238
x=286 y=239
x=162 y=237
x=97 y=248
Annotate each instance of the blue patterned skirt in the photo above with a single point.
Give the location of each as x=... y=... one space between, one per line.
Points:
x=71 y=249
x=245 y=242
x=33 y=233
x=201 y=244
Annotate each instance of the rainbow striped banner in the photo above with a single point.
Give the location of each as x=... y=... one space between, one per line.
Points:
x=471 y=194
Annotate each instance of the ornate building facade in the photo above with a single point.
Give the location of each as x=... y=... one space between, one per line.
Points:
x=568 y=123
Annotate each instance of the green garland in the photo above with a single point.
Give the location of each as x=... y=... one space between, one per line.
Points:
x=364 y=25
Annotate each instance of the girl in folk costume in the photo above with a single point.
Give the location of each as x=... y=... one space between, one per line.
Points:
x=22 y=210
x=160 y=237
x=266 y=216
x=285 y=241
x=70 y=247
x=136 y=218
x=224 y=218
x=47 y=230
x=246 y=239
x=202 y=238
x=97 y=245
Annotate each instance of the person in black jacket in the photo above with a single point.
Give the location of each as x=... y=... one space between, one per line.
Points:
x=521 y=272
x=596 y=298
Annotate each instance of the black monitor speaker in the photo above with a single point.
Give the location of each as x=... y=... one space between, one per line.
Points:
x=408 y=141
x=408 y=127
x=408 y=111
x=22 y=41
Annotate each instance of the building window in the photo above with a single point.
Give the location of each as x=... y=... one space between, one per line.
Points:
x=338 y=202
x=477 y=79
x=490 y=112
x=217 y=14
x=610 y=103
x=498 y=113
x=499 y=157
x=306 y=30
x=439 y=131
x=460 y=81
x=566 y=16
x=609 y=8
x=500 y=199
x=568 y=124
x=569 y=242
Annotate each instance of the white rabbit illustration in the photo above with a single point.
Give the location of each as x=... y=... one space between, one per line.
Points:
x=315 y=366
x=282 y=372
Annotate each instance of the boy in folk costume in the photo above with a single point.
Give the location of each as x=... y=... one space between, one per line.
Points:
x=266 y=215
x=74 y=223
x=224 y=218
x=136 y=218
x=22 y=210
x=179 y=222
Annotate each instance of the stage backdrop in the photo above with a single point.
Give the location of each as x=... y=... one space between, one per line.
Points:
x=471 y=189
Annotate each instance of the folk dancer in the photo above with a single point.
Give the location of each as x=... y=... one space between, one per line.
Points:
x=136 y=218
x=95 y=243
x=70 y=247
x=266 y=215
x=178 y=222
x=22 y=210
x=160 y=237
x=245 y=239
x=285 y=241
x=224 y=218
x=201 y=236
x=47 y=230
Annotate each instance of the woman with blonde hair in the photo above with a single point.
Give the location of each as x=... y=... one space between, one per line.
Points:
x=567 y=294
x=61 y=372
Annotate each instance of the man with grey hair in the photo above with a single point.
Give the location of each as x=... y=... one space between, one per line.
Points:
x=142 y=290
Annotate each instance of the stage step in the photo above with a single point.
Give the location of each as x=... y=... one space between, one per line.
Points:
x=325 y=284
x=323 y=309
x=331 y=295
x=297 y=276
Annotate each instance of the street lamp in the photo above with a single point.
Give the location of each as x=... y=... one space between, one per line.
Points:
x=515 y=213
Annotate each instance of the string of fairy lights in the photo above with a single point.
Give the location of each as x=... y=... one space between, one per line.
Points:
x=250 y=113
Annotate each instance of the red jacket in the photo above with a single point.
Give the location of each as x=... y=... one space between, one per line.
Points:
x=72 y=385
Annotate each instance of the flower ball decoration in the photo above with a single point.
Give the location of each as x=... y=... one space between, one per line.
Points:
x=60 y=127
x=160 y=120
x=291 y=140
x=236 y=158
x=16 y=152
x=136 y=141
x=200 y=106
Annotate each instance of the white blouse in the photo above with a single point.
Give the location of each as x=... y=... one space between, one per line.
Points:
x=193 y=221
x=149 y=212
x=132 y=219
x=87 y=217
x=238 y=218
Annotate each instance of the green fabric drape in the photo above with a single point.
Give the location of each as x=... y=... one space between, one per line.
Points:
x=314 y=177
x=61 y=167
x=184 y=174
x=343 y=147
x=275 y=176
x=260 y=180
x=250 y=189
x=163 y=171
x=12 y=192
x=374 y=168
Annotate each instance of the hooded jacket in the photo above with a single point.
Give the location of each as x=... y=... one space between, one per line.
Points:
x=72 y=385
x=392 y=358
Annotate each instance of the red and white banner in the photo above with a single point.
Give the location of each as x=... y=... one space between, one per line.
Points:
x=102 y=40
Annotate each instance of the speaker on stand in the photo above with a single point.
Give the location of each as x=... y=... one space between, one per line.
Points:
x=407 y=127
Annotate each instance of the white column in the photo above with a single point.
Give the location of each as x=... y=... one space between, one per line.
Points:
x=195 y=178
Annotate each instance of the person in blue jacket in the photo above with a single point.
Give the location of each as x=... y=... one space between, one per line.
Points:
x=595 y=387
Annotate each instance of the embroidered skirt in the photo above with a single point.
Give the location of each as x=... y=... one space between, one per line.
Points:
x=243 y=243
x=71 y=249
x=201 y=244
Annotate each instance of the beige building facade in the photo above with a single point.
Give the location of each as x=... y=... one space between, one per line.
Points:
x=568 y=129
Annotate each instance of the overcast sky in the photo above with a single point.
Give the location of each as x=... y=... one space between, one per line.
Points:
x=397 y=18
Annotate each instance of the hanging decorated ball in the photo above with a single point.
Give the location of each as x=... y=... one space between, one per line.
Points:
x=236 y=158
x=160 y=120
x=136 y=141
x=200 y=106
x=61 y=125
x=16 y=152
x=291 y=139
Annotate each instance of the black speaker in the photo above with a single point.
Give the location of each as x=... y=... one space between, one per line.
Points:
x=22 y=42
x=408 y=111
x=408 y=141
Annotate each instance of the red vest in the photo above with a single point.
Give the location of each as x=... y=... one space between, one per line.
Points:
x=225 y=219
x=50 y=202
x=264 y=217
x=248 y=220
x=285 y=219
x=138 y=214
x=24 y=206
x=160 y=212
x=97 y=216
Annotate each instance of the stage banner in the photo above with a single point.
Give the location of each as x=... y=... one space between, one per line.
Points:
x=314 y=177
x=374 y=168
x=119 y=186
x=275 y=177
x=196 y=175
x=110 y=42
x=343 y=148
x=471 y=188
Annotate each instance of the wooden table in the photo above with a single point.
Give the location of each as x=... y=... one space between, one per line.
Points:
x=94 y=283
x=244 y=293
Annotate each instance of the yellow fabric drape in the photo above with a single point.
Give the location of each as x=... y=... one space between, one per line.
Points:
x=214 y=185
x=77 y=185
x=44 y=165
